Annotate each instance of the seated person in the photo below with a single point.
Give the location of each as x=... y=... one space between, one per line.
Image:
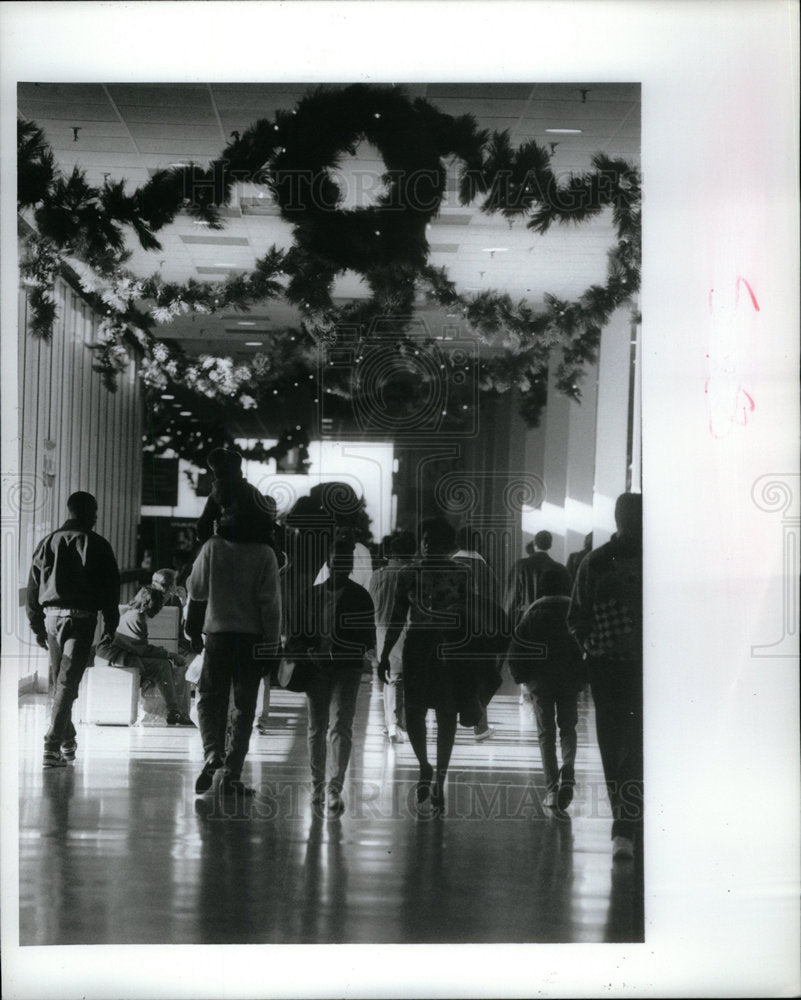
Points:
x=130 y=648
x=165 y=580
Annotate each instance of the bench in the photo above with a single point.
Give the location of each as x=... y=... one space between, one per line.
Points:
x=110 y=696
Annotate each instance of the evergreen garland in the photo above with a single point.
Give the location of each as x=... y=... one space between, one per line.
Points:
x=293 y=155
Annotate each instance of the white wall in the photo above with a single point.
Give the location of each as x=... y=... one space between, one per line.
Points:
x=73 y=435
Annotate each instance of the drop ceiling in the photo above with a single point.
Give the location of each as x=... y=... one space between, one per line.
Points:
x=131 y=130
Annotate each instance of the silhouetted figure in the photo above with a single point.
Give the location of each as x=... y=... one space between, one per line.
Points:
x=238 y=581
x=73 y=576
x=605 y=618
x=234 y=501
x=485 y=584
x=521 y=589
x=432 y=598
x=401 y=548
x=574 y=559
x=544 y=658
x=337 y=632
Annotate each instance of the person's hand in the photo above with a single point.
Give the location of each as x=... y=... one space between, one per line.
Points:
x=177 y=659
x=383 y=669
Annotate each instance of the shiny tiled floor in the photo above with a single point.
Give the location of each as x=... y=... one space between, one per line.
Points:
x=117 y=850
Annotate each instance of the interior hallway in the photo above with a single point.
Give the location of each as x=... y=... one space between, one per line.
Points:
x=116 y=849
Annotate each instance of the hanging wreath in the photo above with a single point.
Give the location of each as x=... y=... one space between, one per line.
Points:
x=295 y=156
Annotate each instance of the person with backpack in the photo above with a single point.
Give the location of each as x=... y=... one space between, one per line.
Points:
x=544 y=657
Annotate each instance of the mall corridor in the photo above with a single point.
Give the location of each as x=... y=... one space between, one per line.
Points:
x=116 y=849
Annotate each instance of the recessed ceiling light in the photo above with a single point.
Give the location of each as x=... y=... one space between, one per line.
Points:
x=494 y=249
x=167 y=396
x=253 y=343
x=180 y=164
x=246 y=322
x=185 y=413
x=564 y=131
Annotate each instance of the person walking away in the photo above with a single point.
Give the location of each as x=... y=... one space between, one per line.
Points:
x=237 y=578
x=73 y=576
x=544 y=658
x=383 y=588
x=521 y=587
x=130 y=648
x=574 y=559
x=485 y=585
x=605 y=619
x=232 y=498
x=337 y=633
x=432 y=594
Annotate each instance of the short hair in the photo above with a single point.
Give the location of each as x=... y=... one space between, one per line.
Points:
x=163 y=580
x=341 y=551
x=224 y=462
x=530 y=548
x=148 y=599
x=468 y=538
x=543 y=540
x=552 y=583
x=441 y=530
x=403 y=544
x=82 y=506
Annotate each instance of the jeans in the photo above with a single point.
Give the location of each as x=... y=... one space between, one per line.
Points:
x=230 y=660
x=617 y=693
x=158 y=671
x=69 y=644
x=549 y=701
x=332 y=698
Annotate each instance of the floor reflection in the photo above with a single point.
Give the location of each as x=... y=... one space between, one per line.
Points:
x=118 y=850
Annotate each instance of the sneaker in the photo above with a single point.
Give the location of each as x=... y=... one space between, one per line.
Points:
x=551 y=799
x=206 y=777
x=179 y=719
x=622 y=848
x=438 y=799
x=235 y=787
x=395 y=734
x=318 y=795
x=68 y=751
x=564 y=797
x=54 y=758
x=262 y=730
x=485 y=734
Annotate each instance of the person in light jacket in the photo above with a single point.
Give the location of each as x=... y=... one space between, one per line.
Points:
x=237 y=578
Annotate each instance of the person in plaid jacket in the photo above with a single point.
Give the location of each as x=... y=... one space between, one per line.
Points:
x=605 y=619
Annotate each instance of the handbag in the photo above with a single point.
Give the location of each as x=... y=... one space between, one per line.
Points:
x=294 y=675
x=194 y=669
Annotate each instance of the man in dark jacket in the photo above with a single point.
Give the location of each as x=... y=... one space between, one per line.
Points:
x=545 y=658
x=73 y=576
x=521 y=589
x=234 y=500
x=335 y=632
x=605 y=619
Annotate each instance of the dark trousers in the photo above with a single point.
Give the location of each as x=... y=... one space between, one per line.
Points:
x=561 y=701
x=617 y=693
x=69 y=644
x=230 y=661
x=332 y=695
